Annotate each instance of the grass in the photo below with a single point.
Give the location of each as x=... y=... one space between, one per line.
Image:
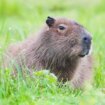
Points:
x=19 y=18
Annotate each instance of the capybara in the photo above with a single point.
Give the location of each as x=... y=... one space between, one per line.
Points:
x=62 y=47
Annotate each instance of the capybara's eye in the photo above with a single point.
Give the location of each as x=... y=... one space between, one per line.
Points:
x=62 y=27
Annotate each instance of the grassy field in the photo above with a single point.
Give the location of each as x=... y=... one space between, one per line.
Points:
x=19 y=18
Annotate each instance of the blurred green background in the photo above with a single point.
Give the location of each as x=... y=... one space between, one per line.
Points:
x=19 y=18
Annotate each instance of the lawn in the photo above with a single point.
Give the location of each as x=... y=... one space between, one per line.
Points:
x=20 y=18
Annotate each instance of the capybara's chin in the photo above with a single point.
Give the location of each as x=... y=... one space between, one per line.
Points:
x=60 y=47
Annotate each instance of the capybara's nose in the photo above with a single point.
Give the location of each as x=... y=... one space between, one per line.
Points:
x=87 y=40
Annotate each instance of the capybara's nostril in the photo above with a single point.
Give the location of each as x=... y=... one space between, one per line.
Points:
x=87 y=39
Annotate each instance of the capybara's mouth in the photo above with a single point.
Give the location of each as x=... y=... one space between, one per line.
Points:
x=84 y=52
x=86 y=46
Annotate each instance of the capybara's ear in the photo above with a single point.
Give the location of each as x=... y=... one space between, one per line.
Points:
x=50 y=21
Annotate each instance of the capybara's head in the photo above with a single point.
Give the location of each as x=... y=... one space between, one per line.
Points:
x=64 y=36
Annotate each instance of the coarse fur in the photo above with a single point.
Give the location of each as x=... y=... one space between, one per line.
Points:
x=56 y=48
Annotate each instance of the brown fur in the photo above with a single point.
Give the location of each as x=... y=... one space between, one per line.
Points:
x=55 y=50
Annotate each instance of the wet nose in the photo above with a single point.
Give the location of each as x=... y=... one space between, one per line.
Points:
x=87 y=40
